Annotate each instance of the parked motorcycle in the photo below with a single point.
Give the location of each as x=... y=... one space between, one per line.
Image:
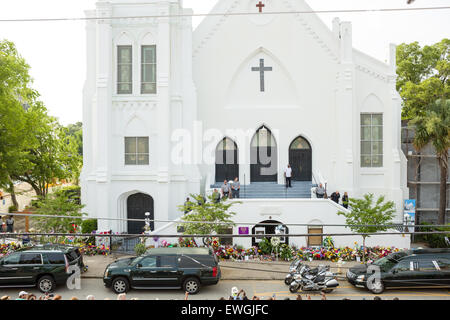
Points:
x=294 y=268
x=317 y=279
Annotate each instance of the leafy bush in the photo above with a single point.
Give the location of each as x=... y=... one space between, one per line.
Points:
x=286 y=252
x=12 y=209
x=89 y=225
x=140 y=249
x=265 y=246
x=58 y=203
x=72 y=192
x=434 y=240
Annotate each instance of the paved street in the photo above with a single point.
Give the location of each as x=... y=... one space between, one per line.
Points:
x=253 y=287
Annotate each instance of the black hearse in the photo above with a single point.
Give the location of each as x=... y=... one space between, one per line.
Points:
x=418 y=268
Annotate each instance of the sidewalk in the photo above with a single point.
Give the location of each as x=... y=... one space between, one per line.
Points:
x=231 y=270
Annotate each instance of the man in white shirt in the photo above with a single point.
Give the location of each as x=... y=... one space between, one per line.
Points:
x=288 y=176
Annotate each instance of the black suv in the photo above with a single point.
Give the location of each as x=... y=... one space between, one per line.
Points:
x=44 y=266
x=411 y=268
x=164 y=268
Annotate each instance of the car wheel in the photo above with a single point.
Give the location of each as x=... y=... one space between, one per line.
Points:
x=191 y=285
x=288 y=280
x=120 y=285
x=376 y=287
x=46 y=284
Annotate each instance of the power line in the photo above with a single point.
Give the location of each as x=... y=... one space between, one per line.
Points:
x=226 y=14
x=224 y=223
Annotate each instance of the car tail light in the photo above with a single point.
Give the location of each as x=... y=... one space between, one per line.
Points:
x=215 y=272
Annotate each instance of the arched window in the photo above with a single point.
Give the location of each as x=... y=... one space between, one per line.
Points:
x=300 y=144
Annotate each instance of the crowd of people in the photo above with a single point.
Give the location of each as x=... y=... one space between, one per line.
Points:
x=236 y=294
x=23 y=295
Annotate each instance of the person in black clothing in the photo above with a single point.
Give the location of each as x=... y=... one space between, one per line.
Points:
x=335 y=196
x=10 y=224
x=345 y=200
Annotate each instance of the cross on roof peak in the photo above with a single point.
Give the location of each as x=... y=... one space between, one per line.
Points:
x=260 y=5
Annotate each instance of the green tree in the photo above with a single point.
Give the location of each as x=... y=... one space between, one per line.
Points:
x=76 y=132
x=15 y=96
x=364 y=213
x=423 y=76
x=216 y=213
x=50 y=153
x=34 y=148
x=433 y=126
x=59 y=203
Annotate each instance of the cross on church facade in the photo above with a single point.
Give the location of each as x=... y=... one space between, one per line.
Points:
x=260 y=5
x=261 y=70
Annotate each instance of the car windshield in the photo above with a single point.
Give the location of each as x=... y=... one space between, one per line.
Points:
x=386 y=263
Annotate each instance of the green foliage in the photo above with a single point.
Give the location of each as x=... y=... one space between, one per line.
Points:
x=286 y=252
x=72 y=192
x=215 y=213
x=265 y=246
x=140 y=249
x=12 y=209
x=76 y=131
x=50 y=154
x=364 y=212
x=15 y=96
x=433 y=126
x=433 y=240
x=58 y=203
x=34 y=148
x=89 y=225
x=328 y=242
x=423 y=75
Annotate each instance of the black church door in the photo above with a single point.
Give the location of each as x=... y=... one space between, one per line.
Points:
x=227 y=166
x=263 y=157
x=300 y=159
x=137 y=205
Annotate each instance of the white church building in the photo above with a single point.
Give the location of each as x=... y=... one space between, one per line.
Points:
x=169 y=111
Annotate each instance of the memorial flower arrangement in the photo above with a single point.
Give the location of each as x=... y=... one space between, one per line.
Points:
x=93 y=250
x=187 y=242
x=288 y=253
x=7 y=248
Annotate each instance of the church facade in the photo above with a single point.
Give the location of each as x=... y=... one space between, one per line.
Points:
x=169 y=111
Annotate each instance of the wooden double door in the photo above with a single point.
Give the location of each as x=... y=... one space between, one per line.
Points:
x=227 y=166
x=137 y=205
x=300 y=159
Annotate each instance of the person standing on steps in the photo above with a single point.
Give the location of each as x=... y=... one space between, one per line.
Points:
x=288 y=176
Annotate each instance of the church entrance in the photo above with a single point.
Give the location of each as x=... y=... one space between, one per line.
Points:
x=227 y=166
x=263 y=157
x=275 y=227
x=300 y=159
x=137 y=205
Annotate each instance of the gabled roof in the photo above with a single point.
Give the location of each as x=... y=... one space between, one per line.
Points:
x=310 y=22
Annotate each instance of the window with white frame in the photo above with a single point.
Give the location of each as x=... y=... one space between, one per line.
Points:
x=136 y=151
x=148 y=69
x=124 y=69
x=371 y=140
